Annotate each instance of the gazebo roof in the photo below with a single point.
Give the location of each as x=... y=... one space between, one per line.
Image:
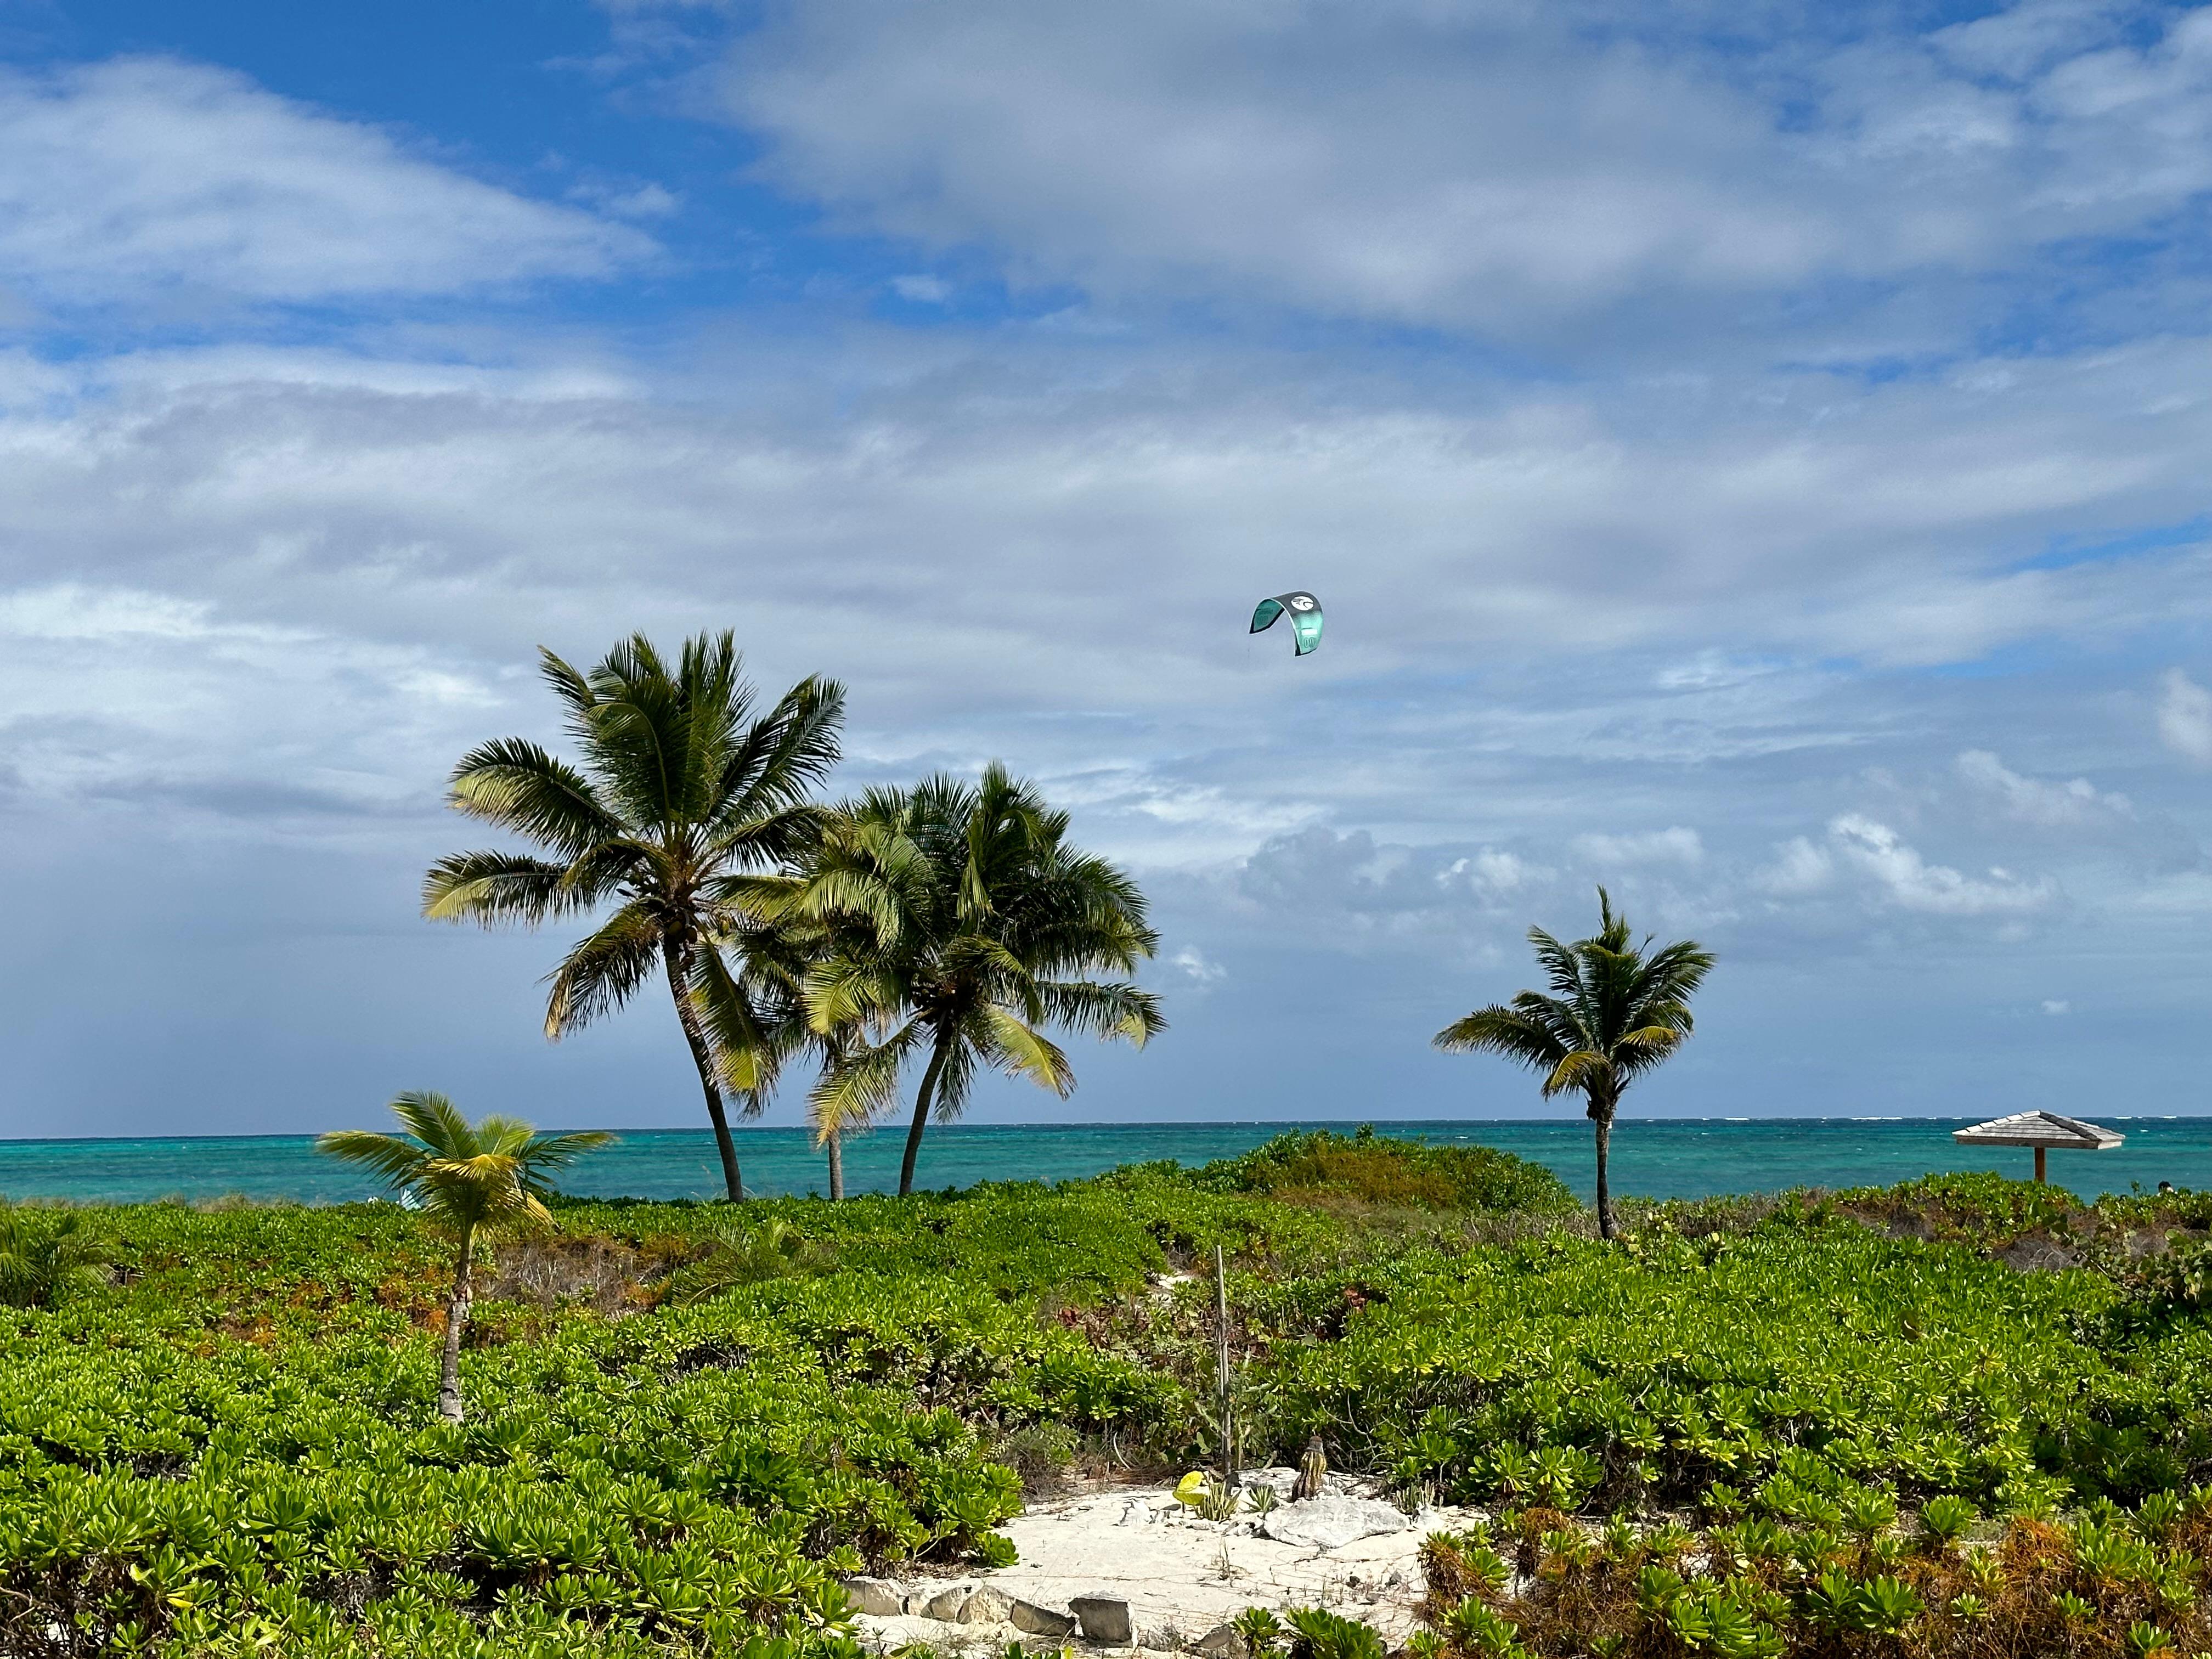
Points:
x=2039 y=1129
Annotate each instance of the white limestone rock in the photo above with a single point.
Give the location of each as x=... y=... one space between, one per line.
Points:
x=877 y=1597
x=1331 y=1523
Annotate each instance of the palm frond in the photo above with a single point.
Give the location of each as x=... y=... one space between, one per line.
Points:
x=748 y=1047
x=603 y=969
x=493 y=887
x=1579 y=1070
x=514 y=783
x=781 y=760
x=389 y=1156
x=491 y=1174
x=1514 y=1032
x=1020 y=1050
x=860 y=1085
x=1102 y=1009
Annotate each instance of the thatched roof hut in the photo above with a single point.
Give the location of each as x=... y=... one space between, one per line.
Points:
x=2042 y=1131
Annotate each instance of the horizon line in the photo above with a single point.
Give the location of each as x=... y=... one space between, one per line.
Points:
x=1139 y=1123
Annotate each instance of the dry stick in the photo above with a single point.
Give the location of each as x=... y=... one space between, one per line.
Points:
x=1221 y=1325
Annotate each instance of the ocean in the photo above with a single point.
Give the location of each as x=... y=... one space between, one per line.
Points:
x=1662 y=1158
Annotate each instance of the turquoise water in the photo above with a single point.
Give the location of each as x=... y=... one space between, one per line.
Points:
x=1666 y=1157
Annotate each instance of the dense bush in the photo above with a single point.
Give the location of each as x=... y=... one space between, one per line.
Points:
x=232 y=1446
x=1312 y=1165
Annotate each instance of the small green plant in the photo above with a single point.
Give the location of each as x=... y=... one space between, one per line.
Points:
x=1944 y=1521
x=1262 y=1633
x=1039 y=1453
x=47 y=1262
x=738 y=1256
x=1317 y=1633
x=1263 y=1499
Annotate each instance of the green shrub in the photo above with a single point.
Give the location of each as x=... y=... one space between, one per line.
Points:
x=47 y=1259
x=1310 y=1163
x=234 y=1448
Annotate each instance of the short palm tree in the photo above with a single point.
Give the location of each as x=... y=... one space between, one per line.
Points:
x=757 y=1014
x=45 y=1262
x=470 y=1181
x=682 y=789
x=962 y=926
x=1615 y=1010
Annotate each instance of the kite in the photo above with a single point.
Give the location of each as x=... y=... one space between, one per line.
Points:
x=1304 y=612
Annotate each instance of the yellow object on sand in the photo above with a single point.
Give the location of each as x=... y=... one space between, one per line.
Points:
x=1192 y=1488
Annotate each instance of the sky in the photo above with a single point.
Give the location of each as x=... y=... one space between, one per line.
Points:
x=1756 y=458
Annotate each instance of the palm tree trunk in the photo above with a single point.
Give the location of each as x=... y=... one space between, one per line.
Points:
x=836 y=1147
x=922 y=1100
x=457 y=1315
x=1601 y=1116
x=679 y=981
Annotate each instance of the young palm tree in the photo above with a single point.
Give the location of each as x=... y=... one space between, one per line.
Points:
x=1615 y=1010
x=682 y=791
x=758 y=1018
x=45 y=1263
x=961 y=924
x=470 y=1181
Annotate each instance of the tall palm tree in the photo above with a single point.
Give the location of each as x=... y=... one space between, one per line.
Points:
x=682 y=790
x=469 y=1181
x=1615 y=1010
x=962 y=925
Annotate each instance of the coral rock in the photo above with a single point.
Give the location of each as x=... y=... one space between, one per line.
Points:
x=878 y=1597
x=1105 y=1618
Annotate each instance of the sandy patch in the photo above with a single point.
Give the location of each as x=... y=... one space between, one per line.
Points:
x=1184 y=1576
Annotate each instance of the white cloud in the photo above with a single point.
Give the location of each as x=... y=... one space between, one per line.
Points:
x=628 y=198
x=124 y=694
x=2036 y=801
x=2185 y=716
x=2055 y=1005
x=922 y=289
x=1444 y=161
x=1800 y=867
x=141 y=177
x=1492 y=871
x=1676 y=846
x=1200 y=968
x=1908 y=881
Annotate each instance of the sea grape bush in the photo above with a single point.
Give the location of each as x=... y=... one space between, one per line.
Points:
x=254 y=1464
x=2105 y=1584
x=1795 y=1364
x=1887 y=1436
x=1314 y=1164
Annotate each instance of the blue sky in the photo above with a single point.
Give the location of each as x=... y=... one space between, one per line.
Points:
x=1754 y=457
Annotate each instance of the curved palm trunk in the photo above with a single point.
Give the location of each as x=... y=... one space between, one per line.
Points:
x=457 y=1315
x=1602 y=1118
x=836 y=1149
x=922 y=1101
x=678 y=983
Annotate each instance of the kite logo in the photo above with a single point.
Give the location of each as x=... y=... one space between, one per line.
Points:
x=1305 y=612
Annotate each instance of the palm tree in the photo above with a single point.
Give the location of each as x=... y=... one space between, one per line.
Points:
x=682 y=791
x=469 y=1182
x=757 y=1017
x=1616 y=1010
x=961 y=924
x=44 y=1265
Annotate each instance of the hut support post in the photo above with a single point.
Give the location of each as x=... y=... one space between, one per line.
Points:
x=2042 y=1172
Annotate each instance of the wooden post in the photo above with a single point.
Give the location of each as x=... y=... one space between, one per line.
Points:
x=2041 y=1174
x=1221 y=1328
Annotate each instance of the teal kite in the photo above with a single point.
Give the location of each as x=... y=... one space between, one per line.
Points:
x=1304 y=612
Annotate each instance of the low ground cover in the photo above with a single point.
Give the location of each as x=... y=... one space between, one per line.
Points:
x=687 y=1419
